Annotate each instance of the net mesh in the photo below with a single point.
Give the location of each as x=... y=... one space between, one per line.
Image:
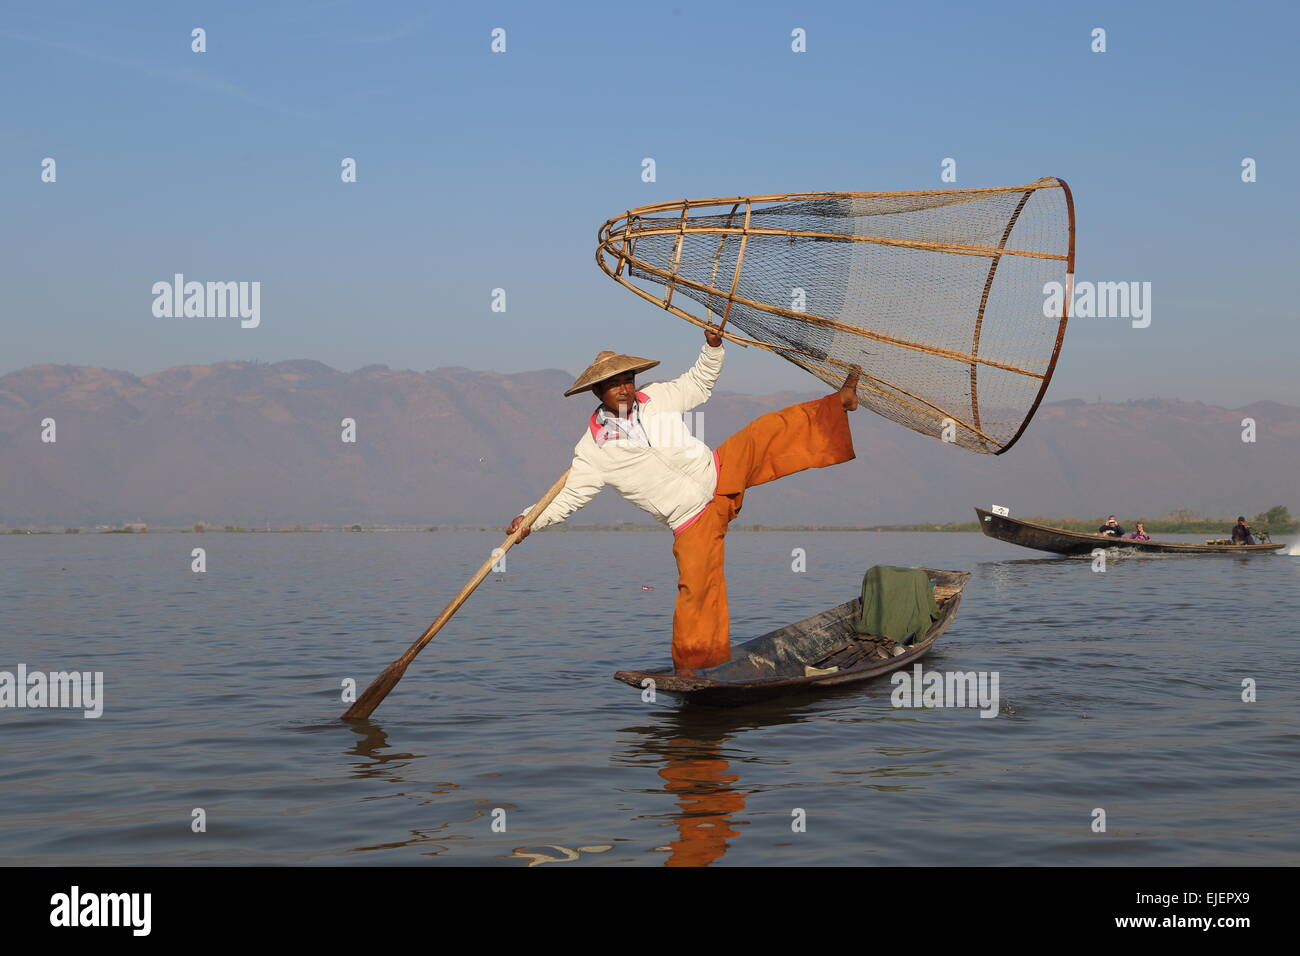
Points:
x=938 y=296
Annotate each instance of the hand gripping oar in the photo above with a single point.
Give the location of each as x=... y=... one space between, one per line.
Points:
x=374 y=694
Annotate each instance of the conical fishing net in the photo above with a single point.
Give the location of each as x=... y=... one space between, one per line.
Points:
x=938 y=295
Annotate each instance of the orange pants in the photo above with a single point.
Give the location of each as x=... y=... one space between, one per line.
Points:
x=810 y=435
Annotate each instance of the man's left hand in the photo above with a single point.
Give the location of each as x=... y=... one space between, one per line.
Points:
x=712 y=336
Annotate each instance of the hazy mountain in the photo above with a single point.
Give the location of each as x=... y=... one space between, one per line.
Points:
x=244 y=443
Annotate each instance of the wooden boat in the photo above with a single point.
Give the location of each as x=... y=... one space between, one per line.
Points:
x=774 y=665
x=1040 y=537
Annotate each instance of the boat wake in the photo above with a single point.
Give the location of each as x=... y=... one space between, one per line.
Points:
x=1294 y=550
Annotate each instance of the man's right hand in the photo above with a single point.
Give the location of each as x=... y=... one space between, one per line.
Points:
x=514 y=525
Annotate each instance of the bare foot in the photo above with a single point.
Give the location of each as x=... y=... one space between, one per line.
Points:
x=849 y=391
x=684 y=672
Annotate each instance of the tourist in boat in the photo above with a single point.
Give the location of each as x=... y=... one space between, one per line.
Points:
x=1140 y=534
x=1241 y=533
x=1112 y=528
x=636 y=442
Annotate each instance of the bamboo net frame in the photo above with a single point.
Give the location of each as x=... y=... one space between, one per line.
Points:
x=938 y=295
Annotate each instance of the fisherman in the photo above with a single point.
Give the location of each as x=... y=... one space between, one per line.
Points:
x=1112 y=528
x=1241 y=533
x=637 y=442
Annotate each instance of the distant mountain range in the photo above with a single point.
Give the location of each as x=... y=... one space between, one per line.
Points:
x=248 y=443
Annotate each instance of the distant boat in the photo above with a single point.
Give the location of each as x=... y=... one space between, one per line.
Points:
x=1040 y=537
x=779 y=663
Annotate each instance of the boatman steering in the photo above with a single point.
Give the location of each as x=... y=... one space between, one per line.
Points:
x=637 y=442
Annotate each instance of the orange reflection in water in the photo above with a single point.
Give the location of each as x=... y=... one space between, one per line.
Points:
x=696 y=771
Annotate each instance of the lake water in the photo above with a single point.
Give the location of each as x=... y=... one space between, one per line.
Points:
x=1119 y=690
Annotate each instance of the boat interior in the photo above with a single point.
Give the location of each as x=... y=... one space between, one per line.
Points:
x=823 y=642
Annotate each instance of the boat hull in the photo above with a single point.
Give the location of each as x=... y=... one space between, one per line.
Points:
x=1041 y=537
x=771 y=666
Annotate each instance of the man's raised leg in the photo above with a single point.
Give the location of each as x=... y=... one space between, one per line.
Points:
x=809 y=435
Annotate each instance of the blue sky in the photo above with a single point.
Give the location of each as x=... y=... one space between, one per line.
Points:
x=479 y=171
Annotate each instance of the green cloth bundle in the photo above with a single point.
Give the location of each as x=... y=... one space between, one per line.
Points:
x=897 y=602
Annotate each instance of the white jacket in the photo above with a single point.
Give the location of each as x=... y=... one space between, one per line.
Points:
x=673 y=479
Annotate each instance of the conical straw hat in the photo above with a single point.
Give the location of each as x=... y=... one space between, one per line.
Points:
x=607 y=365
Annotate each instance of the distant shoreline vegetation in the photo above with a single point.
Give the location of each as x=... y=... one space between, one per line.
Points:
x=1276 y=520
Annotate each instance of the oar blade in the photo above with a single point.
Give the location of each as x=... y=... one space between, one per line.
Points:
x=374 y=695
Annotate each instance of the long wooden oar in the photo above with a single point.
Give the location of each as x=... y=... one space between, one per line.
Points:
x=374 y=694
